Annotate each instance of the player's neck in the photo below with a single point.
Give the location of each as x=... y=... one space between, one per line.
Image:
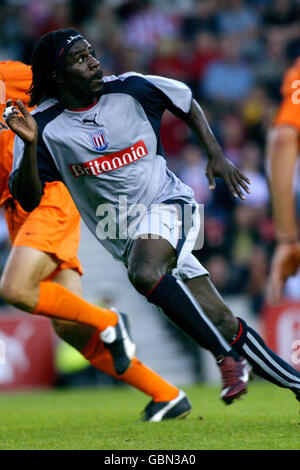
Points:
x=76 y=103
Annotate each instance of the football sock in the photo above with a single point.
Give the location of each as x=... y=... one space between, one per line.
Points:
x=56 y=301
x=137 y=375
x=264 y=361
x=181 y=307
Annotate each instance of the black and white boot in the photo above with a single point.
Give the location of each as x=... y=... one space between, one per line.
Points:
x=173 y=409
x=118 y=341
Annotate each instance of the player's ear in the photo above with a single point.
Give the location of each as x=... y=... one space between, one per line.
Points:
x=57 y=77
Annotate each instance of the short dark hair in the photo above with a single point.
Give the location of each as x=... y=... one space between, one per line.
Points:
x=45 y=61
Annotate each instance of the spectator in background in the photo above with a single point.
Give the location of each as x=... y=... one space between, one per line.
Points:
x=257 y=113
x=242 y=236
x=215 y=236
x=169 y=59
x=202 y=17
x=103 y=29
x=251 y=159
x=186 y=61
x=59 y=15
x=174 y=134
x=205 y=49
x=12 y=32
x=192 y=172
x=229 y=78
x=221 y=274
x=237 y=18
x=273 y=61
x=257 y=277
x=283 y=13
x=148 y=25
x=233 y=135
x=252 y=112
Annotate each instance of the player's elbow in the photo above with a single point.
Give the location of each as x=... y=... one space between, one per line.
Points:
x=282 y=137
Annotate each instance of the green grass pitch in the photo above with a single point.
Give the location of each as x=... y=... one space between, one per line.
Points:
x=107 y=419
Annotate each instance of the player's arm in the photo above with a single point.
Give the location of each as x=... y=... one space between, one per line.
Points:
x=218 y=165
x=26 y=184
x=282 y=152
x=177 y=98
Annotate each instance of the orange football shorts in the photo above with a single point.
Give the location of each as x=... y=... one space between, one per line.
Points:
x=53 y=227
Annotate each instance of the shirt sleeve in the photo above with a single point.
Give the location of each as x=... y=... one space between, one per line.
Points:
x=288 y=114
x=177 y=94
x=156 y=94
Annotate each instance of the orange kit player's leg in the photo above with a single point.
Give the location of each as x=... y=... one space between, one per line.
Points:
x=35 y=257
x=48 y=237
x=43 y=231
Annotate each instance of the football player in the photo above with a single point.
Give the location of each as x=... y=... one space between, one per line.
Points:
x=44 y=246
x=282 y=153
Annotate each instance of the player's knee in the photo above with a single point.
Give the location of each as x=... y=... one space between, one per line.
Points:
x=143 y=279
x=17 y=296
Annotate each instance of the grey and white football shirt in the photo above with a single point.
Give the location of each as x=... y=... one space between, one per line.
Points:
x=112 y=149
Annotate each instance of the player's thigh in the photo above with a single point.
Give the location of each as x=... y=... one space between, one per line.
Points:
x=160 y=243
x=76 y=334
x=213 y=305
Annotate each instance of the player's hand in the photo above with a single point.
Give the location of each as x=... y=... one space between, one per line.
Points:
x=285 y=263
x=21 y=122
x=221 y=167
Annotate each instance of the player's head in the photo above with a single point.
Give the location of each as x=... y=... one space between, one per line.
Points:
x=64 y=60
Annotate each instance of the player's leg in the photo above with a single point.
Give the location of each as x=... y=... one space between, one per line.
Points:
x=214 y=306
x=264 y=361
x=149 y=270
x=246 y=341
x=24 y=284
x=149 y=266
x=167 y=401
x=21 y=287
x=20 y=279
x=76 y=334
x=51 y=234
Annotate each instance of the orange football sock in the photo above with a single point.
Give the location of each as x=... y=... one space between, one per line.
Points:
x=56 y=301
x=137 y=375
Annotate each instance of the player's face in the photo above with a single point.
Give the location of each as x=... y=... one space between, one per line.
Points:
x=83 y=75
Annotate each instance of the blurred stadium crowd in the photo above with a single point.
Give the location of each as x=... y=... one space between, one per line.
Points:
x=233 y=54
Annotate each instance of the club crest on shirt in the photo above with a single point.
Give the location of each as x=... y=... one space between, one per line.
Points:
x=99 y=140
